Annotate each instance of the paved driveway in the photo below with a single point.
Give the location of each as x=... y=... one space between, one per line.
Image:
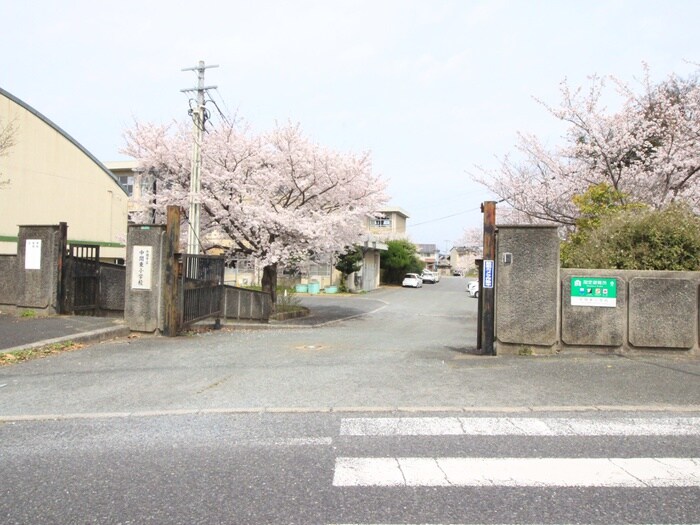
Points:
x=412 y=348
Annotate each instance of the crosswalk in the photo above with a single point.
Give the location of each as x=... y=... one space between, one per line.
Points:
x=655 y=467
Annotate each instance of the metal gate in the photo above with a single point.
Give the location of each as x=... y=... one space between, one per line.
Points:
x=201 y=288
x=81 y=288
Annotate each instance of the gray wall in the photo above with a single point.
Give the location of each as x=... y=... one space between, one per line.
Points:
x=8 y=279
x=241 y=303
x=112 y=287
x=654 y=311
x=38 y=288
x=144 y=308
x=527 y=286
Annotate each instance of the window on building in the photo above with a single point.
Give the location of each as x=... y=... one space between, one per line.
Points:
x=127 y=182
x=384 y=222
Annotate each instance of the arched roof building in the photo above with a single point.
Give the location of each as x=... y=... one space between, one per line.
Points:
x=51 y=178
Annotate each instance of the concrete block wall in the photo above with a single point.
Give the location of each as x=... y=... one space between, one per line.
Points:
x=654 y=311
x=37 y=273
x=112 y=287
x=527 y=289
x=144 y=307
x=8 y=280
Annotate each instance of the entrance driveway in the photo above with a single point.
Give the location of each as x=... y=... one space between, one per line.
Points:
x=412 y=349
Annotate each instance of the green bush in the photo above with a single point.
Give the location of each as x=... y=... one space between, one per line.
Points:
x=640 y=240
x=401 y=258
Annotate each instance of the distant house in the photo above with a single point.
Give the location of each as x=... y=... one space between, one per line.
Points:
x=429 y=254
x=53 y=179
x=444 y=266
x=463 y=258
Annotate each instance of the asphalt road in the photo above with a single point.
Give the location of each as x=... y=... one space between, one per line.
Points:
x=283 y=469
x=387 y=417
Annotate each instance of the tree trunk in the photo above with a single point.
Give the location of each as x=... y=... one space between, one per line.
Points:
x=269 y=282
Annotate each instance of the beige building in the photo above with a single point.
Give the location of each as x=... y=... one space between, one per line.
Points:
x=53 y=179
x=388 y=224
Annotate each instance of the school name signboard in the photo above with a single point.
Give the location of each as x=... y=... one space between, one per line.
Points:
x=594 y=291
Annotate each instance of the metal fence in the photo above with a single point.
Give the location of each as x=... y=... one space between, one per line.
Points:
x=201 y=290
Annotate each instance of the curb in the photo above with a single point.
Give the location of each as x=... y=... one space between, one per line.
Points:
x=410 y=411
x=94 y=336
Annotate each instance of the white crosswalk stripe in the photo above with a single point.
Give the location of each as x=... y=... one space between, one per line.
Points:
x=517 y=472
x=527 y=472
x=520 y=426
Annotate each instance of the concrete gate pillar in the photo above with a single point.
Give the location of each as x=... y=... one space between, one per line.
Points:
x=527 y=288
x=40 y=251
x=145 y=278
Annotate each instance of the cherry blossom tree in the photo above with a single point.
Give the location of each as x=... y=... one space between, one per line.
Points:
x=471 y=238
x=647 y=152
x=276 y=196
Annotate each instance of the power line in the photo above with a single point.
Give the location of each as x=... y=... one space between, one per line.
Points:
x=445 y=217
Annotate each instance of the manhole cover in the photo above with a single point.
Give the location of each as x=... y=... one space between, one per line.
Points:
x=310 y=347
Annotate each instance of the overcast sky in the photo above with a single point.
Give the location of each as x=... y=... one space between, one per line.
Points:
x=432 y=88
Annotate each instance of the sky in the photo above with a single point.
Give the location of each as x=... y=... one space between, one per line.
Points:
x=435 y=89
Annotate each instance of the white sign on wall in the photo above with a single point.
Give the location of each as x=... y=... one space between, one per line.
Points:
x=32 y=254
x=141 y=268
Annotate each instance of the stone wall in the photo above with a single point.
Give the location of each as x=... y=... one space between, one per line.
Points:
x=535 y=311
x=38 y=251
x=112 y=287
x=8 y=280
x=655 y=311
x=527 y=291
x=144 y=310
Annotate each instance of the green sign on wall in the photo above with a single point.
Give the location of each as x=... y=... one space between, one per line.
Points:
x=594 y=291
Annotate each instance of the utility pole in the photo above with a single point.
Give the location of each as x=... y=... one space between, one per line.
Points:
x=198 y=118
x=488 y=270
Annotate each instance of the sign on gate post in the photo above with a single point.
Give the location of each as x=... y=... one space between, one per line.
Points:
x=141 y=268
x=487 y=278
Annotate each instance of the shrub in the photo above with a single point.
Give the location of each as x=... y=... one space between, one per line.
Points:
x=399 y=259
x=668 y=239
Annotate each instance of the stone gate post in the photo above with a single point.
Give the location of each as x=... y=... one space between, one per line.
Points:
x=145 y=277
x=39 y=256
x=527 y=288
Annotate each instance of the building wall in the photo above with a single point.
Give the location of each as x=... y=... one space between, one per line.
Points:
x=53 y=179
x=397 y=228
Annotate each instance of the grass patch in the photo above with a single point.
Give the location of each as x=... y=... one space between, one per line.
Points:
x=28 y=314
x=526 y=350
x=10 y=358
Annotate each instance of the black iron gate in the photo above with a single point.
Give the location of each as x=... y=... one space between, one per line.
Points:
x=81 y=280
x=201 y=288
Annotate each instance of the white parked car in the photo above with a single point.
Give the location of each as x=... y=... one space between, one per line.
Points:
x=473 y=288
x=412 y=280
x=429 y=277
